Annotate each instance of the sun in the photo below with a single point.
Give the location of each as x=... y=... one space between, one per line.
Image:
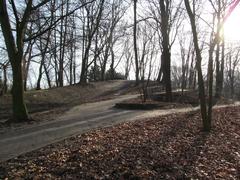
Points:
x=232 y=26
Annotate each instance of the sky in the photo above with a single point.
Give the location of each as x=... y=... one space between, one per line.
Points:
x=232 y=26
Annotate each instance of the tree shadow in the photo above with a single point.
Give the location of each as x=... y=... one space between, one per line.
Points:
x=173 y=162
x=182 y=160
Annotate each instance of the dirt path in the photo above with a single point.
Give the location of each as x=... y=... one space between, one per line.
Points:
x=51 y=102
x=77 y=120
x=49 y=105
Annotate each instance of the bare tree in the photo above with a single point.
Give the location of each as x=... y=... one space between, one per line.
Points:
x=186 y=53
x=135 y=41
x=217 y=38
x=15 y=51
x=111 y=30
x=168 y=20
x=128 y=58
x=232 y=61
x=3 y=80
x=43 y=46
x=94 y=15
x=205 y=118
x=15 y=45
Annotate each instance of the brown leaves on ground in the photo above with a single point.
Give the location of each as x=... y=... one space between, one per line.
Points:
x=169 y=147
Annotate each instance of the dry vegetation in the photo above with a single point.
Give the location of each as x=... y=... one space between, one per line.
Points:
x=169 y=147
x=57 y=100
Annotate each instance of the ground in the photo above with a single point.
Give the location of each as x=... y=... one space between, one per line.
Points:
x=45 y=105
x=151 y=145
x=180 y=99
x=166 y=147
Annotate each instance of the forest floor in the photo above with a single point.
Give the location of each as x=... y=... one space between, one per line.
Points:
x=45 y=105
x=157 y=145
x=164 y=147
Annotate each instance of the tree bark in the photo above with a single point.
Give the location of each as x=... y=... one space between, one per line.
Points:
x=206 y=123
x=135 y=42
x=40 y=73
x=104 y=64
x=112 y=71
x=210 y=87
x=19 y=108
x=4 y=80
x=92 y=27
x=15 y=54
x=166 y=55
x=47 y=75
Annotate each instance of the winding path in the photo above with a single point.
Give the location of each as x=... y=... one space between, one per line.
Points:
x=77 y=120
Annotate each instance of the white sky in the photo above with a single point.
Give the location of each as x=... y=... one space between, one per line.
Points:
x=232 y=26
x=232 y=33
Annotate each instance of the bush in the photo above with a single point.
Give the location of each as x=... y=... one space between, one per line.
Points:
x=94 y=75
x=116 y=75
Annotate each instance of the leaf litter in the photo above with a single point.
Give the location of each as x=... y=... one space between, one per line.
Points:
x=167 y=147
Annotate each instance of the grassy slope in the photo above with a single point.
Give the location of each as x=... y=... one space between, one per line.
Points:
x=65 y=97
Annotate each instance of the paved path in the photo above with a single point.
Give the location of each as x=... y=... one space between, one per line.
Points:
x=78 y=120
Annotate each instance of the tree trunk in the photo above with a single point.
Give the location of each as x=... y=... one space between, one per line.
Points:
x=167 y=74
x=61 y=61
x=112 y=71
x=83 y=76
x=15 y=55
x=219 y=65
x=217 y=93
x=47 y=75
x=19 y=108
x=55 y=59
x=96 y=56
x=40 y=75
x=26 y=64
x=219 y=73
x=221 y=76
x=166 y=55
x=192 y=71
x=206 y=123
x=232 y=85
x=210 y=87
x=103 y=66
x=71 y=68
x=63 y=33
x=92 y=27
x=135 y=42
x=5 y=88
x=72 y=51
